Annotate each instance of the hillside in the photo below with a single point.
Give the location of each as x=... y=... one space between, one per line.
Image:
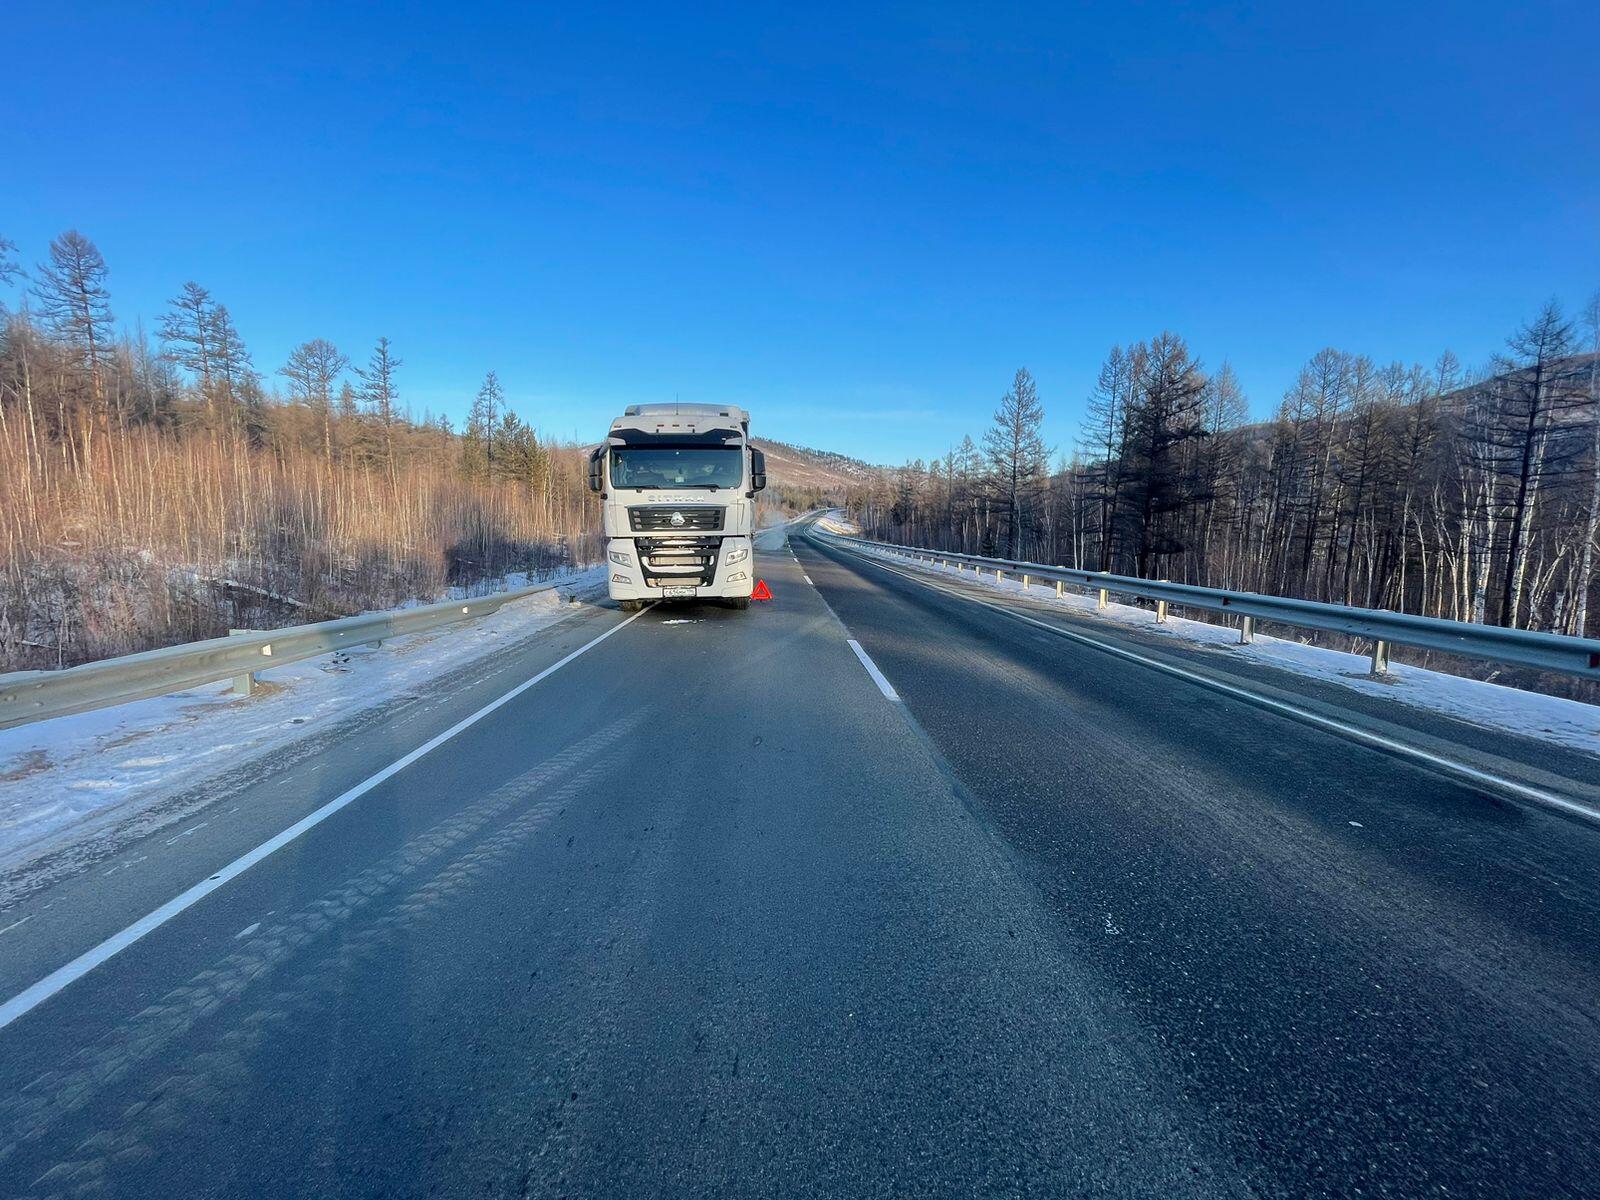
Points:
x=823 y=470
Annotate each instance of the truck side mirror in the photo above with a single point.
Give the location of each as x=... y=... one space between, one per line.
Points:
x=597 y=469
x=758 y=471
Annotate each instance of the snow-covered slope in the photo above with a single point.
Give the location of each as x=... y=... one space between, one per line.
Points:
x=65 y=778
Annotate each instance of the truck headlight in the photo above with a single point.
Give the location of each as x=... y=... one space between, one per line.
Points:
x=622 y=558
x=736 y=556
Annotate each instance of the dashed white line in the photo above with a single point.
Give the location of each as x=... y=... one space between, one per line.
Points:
x=247 y=931
x=1440 y=762
x=14 y=924
x=807 y=578
x=187 y=832
x=884 y=685
x=30 y=998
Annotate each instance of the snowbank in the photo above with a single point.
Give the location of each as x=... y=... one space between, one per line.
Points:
x=63 y=778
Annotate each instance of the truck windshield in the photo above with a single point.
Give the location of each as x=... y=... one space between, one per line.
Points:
x=676 y=467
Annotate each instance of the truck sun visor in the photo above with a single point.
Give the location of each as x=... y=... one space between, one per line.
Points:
x=677 y=437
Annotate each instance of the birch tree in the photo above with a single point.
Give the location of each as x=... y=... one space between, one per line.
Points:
x=1585 y=581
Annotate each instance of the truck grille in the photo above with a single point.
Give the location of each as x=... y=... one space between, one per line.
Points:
x=673 y=562
x=667 y=519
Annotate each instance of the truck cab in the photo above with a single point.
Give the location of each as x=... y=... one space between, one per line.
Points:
x=677 y=485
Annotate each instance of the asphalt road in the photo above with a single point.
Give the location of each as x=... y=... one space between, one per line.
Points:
x=706 y=912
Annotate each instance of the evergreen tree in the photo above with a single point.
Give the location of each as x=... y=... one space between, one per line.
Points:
x=1167 y=414
x=382 y=400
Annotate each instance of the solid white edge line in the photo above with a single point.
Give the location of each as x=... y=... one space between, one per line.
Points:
x=1448 y=765
x=35 y=995
x=884 y=685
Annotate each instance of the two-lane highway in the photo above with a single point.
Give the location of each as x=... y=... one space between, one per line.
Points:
x=726 y=905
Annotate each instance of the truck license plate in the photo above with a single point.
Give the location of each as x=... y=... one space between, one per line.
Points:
x=676 y=593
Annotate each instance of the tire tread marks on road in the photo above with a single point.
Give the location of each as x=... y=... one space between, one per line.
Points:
x=447 y=850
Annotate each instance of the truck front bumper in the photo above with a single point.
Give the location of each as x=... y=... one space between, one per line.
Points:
x=658 y=568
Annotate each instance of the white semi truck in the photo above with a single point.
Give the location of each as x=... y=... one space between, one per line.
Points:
x=678 y=486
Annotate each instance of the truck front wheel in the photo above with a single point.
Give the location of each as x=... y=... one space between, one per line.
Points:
x=630 y=606
x=740 y=602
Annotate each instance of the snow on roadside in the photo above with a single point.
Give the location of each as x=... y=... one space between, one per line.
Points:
x=60 y=775
x=1570 y=723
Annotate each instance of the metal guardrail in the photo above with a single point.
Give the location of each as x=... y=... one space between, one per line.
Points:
x=37 y=695
x=1522 y=647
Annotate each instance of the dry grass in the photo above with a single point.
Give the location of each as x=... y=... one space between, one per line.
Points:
x=169 y=537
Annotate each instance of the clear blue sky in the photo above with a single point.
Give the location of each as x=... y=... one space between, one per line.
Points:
x=856 y=224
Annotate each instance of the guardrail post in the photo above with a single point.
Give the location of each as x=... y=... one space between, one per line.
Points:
x=998 y=574
x=1247 y=630
x=1061 y=589
x=1104 y=601
x=1025 y=581
x=244 y=685
x=1380 y=657
x=1161 y=610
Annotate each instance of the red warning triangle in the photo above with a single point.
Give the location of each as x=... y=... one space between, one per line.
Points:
x=762 y=592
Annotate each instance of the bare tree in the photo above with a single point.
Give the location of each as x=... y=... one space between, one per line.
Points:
x=10 y=268
x=1104 y=438
x=313 y=369
x=1217 y=462
x=1585 y=580
x=1018 y=458
x=188 y=330
x=1534 y=388
x=76 y=307
x=238 y=384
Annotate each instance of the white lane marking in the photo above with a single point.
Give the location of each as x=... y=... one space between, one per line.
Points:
x=14 y=924
x=188 y=831
x=247 y=931
x=31 y=997
x=872 y=669
x=807 y=578
x=1355 y=733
